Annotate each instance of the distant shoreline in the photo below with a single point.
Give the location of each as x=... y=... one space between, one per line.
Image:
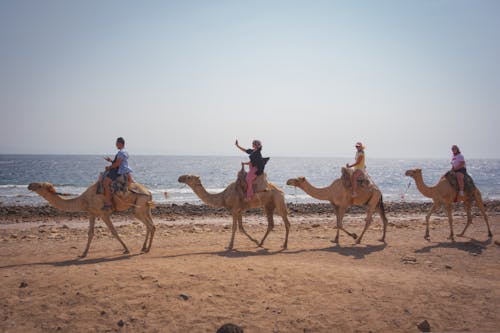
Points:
x=18 y=214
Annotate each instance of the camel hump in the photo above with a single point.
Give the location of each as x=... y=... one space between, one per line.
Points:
x=138 y=189
x=469 y=186
x=260 y=183
x=346 y=176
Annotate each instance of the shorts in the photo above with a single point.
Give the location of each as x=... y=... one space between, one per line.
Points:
x=112 y=174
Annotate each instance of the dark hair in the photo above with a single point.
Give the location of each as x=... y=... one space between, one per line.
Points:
x=120 y=140
x=458 y=149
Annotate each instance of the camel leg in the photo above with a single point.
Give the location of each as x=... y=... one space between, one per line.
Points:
x=340 y=217
x=233 y=231
x=90 y=235
x=284 y=217
x=435 y=206
x=480 y=205
x=145 y=217
x=450 y=220
x=111 y=228
x=141 y=217
x=468 y=210
x=270 y=223
x=242 y=229
x=381 y=212
x=372 y=205
x=152 y=230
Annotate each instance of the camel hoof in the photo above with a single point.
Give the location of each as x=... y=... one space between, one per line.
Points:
x=490 y=234
x=353 y=235
x=382 y=240
x=83 y=255
x=358 y=241
x=126 y=252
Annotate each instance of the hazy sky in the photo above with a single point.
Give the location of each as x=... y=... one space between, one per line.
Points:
x=308 y=78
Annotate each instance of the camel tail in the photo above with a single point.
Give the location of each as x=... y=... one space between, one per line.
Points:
x=382 y=209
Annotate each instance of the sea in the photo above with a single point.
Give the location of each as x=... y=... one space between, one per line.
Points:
x=74 y=173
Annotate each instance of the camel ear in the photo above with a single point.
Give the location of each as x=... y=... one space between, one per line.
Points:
x=301 y=178
x=51 y=189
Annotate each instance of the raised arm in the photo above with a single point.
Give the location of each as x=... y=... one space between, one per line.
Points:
x=240 y=147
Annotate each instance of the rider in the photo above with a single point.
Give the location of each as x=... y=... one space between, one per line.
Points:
x=359 y=167
x=458 y=166
x=256 y=164
x=119 y=166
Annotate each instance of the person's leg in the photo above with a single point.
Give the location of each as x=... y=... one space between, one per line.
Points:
x=460 y=180
x=106 y=183
x=251 y=175
x=129 y=178
x=355 y=176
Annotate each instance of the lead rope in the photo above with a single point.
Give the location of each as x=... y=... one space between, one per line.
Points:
x=404 y=193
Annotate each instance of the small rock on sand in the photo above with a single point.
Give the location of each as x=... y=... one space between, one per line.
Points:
x=120 y=323
x=23 y=284
x=184 y=297
x=230 y=328
x=424 y=326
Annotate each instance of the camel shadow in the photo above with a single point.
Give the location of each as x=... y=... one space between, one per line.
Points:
x=356 y=252
x=472 y=246
x=76 y=262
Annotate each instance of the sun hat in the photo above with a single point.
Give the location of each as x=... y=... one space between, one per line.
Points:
x=359 y=144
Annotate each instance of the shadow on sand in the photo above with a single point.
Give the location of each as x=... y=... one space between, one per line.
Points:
x=76 y=262
x=472 y=246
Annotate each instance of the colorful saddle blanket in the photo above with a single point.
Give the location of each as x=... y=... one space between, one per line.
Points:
x=363 y=180
x=469 y=186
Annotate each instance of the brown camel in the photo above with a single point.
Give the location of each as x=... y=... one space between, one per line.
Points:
x=138 y=197
x=232 y=198
x=444 y=194
x=340 y=196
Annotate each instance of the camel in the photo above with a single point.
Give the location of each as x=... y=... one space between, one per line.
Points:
x=138 y=197
x=444 y=194
x=232 y=198
x=339 y=194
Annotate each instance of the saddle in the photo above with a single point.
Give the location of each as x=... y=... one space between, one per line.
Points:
x=469 y=186
x=363 y=180
x=259 y=184
x=118 y=185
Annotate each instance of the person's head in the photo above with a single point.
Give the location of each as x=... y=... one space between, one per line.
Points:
x=359 y=146
x=455 y=150
x=256 y=144
x=120 y=143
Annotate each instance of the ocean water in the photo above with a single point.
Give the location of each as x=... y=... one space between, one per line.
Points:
x=74 y=173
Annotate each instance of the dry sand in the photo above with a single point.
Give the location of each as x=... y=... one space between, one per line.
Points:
x=189 y=283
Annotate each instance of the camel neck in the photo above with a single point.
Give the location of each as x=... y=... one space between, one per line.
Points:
x=213 y=200
x=323 y=193
x=68 y=205
x=424 y=189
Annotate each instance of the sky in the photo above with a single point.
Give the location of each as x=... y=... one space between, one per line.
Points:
x=308 y=78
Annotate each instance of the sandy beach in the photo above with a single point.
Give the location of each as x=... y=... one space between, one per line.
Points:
x=190 y=283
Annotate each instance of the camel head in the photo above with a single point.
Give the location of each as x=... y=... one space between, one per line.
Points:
x=190 y=180
x=42 y=187
x=413 y=172
x=296 y=181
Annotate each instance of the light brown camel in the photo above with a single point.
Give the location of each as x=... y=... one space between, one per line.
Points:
x=232 y=198
x=444 y=194
x=340 y=196
x=138 y=197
